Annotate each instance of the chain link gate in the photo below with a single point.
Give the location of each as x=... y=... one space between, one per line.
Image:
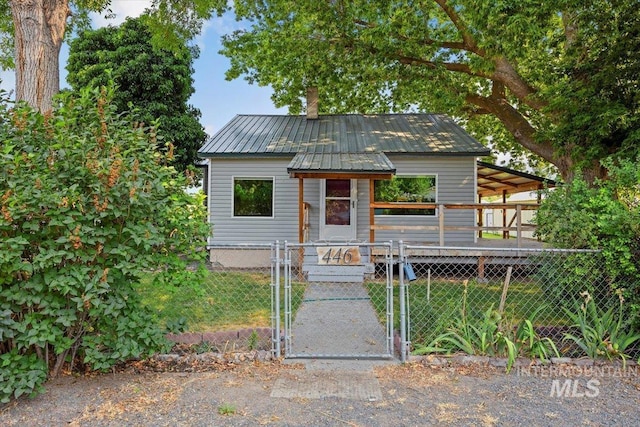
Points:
x=337 y=301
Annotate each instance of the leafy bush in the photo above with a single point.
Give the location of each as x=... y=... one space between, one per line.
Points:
x=606 y=217
x=562 y=276
x=87 y=206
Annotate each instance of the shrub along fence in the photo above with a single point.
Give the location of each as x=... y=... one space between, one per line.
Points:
x=537 y=303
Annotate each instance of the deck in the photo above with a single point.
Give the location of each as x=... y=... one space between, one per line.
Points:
x=480 y=255
x=484 y=243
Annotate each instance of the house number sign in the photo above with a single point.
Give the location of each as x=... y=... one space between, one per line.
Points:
x=339 y=255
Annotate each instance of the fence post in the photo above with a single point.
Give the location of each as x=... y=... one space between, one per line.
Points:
x=519 y=224
x=403 y=314
x=441 y=224
x=276 y=302
x=390 y=330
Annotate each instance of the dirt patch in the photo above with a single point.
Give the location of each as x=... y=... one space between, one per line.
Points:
x=222 y=392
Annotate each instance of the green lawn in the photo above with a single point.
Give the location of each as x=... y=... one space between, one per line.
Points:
x=432 y=309
x=226 y=301
x=239 y=300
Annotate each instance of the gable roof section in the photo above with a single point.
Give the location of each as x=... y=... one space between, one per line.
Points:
x=356 y=164
x=261 y=135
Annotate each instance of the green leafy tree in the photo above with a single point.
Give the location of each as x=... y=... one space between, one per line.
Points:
x=156 y=81
x=88 y=206
x=32 y=32
x=556 y=79
x=605 y=217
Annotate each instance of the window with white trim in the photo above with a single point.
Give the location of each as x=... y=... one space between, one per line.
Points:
x=406 y=189
x=253 y=197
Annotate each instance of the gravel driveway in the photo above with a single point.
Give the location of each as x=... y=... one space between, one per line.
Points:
x=249 y=394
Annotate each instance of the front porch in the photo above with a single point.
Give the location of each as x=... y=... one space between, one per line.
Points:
x=497 y=224
x=511 y=232
x=508 y=235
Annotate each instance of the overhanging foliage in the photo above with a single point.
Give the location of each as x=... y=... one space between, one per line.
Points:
x=87 y=205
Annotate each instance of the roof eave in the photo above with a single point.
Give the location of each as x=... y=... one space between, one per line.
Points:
x=341 y=174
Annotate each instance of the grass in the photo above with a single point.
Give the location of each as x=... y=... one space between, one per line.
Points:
x=433 y=310
x=225 y=301
x=226 y=409
x=497 y=236
x=240 y=300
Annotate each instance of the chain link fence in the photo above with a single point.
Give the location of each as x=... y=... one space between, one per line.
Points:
x=230 y=309
x=444 y=285
x=304 y=299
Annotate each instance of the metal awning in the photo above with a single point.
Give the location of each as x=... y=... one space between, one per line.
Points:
x=344 y=165
x=496 y=180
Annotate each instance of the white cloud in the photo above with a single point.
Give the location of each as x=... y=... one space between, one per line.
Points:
x=225 y=24
x=200 y=38
x=122 y=9
x=216 y=27
x=210 y=129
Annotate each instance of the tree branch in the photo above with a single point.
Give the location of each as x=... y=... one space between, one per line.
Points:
x=450 y=66
x=515 y=123
x=467 y=39
x=504 y=70
x=498 y=90
x=570 y=29
x=506 y=74
x=425 y=42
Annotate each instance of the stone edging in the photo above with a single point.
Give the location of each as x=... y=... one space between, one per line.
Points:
x=501 y=362
x=215 y=357
x=428 y=360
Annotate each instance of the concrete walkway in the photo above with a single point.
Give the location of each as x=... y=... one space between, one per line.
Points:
x=338 y=339
x=323 y=378
x=338 y=320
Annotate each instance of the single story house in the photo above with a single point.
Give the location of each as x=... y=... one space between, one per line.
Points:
x=367 y=178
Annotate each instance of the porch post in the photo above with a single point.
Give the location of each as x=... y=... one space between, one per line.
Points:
x=300 y=210
x=480 y=219
x=539 y=199
x=519 y=224
x=505 y=233
x=372 y=233
x=441 y=224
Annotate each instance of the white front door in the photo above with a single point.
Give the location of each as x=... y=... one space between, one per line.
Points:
x=338 y=201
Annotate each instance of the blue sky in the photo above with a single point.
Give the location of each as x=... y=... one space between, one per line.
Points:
x=218 y=100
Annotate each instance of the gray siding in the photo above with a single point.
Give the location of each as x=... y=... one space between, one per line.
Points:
x=456 y=184
x=226 y=228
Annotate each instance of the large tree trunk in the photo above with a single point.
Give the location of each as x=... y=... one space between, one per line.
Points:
x=590 y=172
x=39 y=30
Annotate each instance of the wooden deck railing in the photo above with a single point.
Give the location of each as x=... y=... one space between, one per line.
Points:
x=442 y=208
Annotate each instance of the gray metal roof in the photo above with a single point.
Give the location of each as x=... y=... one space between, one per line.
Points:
x=432 y=134
x=342 y=162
